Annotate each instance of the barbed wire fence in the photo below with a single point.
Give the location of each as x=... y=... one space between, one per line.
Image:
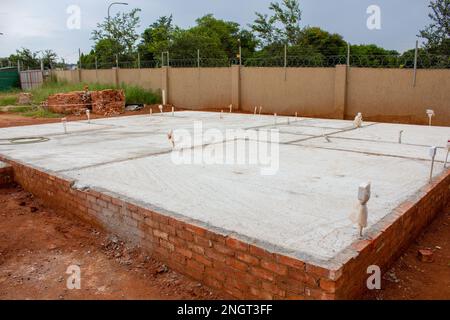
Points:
x=316 y=60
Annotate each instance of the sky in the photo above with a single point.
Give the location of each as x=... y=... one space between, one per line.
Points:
x=40 y=25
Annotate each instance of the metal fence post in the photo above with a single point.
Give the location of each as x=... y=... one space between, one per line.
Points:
x=198 y=58
x=139 y=60
x=117 y=60
x=348 y=54
x=416 y=51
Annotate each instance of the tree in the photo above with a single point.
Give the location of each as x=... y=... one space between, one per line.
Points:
x=49 y=59
x=118 y=32
x=437 y=33
x=283 y=26
x=27 y=58
x=157 y=38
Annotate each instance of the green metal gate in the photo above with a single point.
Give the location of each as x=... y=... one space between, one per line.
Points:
x=9 y=79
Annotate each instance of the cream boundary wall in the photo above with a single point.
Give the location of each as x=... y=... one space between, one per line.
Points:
x=383 y=95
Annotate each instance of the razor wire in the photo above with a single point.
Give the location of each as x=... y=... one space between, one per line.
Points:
x=424 y=61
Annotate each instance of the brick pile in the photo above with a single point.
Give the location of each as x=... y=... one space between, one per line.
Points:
x=108 y=102
x=67 y=103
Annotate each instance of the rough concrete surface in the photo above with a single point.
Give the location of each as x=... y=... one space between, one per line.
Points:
x=303 y=209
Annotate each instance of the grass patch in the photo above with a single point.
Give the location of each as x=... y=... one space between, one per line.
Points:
x=133 y=94
x=8 y=101
x=34 y=112
x=21 y=109
x=40 y=113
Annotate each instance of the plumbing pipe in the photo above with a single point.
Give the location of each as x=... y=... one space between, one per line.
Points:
x=64 y=123
x=260 y=110
x=361 y=211
x=151 y=111
x=358 y=120
x=171 y=139
x=275 y=117
x=231 y=108
x=448 y=151
x=173 y=111
x=256 y=109
x=164 y=97
x=296 y=116
x=430 y=114
x=88 y=114
x=221 y=114
x=433 y=151
x=161 y=108
x=400 y=136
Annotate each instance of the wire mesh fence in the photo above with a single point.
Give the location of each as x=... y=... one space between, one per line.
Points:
x=423 y=61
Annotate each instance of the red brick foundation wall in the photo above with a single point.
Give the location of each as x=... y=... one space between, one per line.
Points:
x=240 y=270
x=390 y=237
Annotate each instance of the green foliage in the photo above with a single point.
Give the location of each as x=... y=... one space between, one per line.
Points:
x=114 y=36
x=437 y=33
x=156 y=38
x=282 y=27
x=133 y=94
x=8 y=100
x=41 y=113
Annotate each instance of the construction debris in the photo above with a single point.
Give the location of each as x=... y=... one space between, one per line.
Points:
x=24 y=98
x=425 y=255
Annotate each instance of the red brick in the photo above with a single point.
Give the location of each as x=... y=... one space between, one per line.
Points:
x=236 y=244
x=274 y=267
x=247 y=258
x=262 y=273
x=260 y=253
x=232 y=262
x=203 y=260
x=161 y=234
x=224 y=250
x=291 y=262
x=184 y=252
x=328 y=285
x=196 y=230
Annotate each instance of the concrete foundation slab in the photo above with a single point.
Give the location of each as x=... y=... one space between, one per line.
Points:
x=301 y=211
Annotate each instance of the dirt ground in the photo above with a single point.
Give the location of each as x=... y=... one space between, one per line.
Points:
x=38 y=245
x=411 y=279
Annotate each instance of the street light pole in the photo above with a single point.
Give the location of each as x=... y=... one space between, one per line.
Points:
x=109 y=19
x=114 y=3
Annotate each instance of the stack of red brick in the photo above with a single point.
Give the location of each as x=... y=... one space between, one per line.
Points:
x=108 y=102
x=67 y=103
x=105 y=103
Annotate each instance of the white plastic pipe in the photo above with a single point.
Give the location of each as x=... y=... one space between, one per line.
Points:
x=161 y=108
x=256 y=110
x=275 y=118
x=430 y=114
x=400 y=136
x=173 y=111
x=361 y=212
x=433 y=151
x=260 y=110
x=231 y=108
x=64 y=123
x=88 y=114
x=296 y=116
x=164 y=97
x=151 y=111
x=448 y=152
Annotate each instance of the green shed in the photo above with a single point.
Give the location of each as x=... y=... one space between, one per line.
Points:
x=9 y=78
